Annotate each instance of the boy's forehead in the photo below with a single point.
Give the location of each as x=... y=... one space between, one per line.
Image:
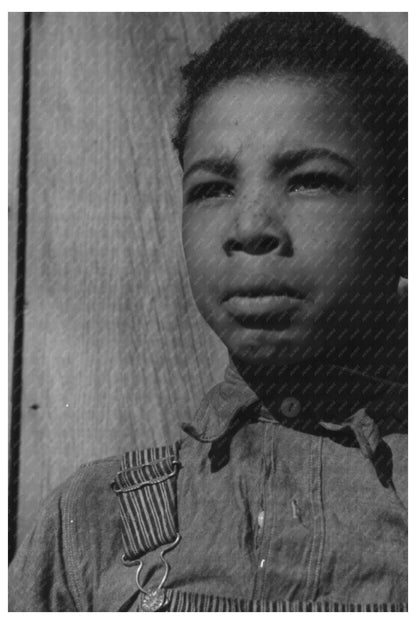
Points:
x=283 y=112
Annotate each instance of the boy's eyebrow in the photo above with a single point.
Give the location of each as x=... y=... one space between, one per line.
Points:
x=221 y=166
x=283 y=162
x=293 y=158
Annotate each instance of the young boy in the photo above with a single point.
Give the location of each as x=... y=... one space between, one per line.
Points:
x=288 y=491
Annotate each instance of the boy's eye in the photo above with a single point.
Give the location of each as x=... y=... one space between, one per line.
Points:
x=207 y=190
x=318 y=182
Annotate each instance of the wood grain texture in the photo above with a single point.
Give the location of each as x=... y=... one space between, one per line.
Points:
x=116 y=354
x=392 y=27
x=15 y=49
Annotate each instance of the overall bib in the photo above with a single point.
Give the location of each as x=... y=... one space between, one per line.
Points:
x=146 y=486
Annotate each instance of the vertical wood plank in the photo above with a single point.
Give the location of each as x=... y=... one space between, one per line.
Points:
x=15 y=283
x=116 y=354
x=15 y=48
x=392 y=27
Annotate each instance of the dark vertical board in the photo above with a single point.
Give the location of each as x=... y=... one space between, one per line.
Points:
x=16 y=240
x=15 y=42
x=116 y=354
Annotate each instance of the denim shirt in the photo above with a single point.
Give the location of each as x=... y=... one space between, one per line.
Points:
x=300 y=506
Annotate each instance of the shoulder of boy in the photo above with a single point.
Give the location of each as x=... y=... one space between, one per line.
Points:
x=76 y=518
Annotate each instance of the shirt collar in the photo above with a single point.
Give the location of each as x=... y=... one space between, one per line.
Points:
x=324 y=397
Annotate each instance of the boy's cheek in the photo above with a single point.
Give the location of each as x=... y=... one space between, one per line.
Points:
x=203 y=248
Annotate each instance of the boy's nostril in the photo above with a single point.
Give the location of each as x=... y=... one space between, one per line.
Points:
x=268 y=243
x=255 y=246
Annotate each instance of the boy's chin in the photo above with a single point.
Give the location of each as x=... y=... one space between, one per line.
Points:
x=281 y=353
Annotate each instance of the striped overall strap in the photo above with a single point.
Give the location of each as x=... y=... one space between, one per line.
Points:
x=146 y=490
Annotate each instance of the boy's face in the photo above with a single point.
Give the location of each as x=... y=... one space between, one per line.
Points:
x=284 y=222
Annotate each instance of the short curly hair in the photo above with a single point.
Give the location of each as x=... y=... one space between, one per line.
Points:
x=318 y=45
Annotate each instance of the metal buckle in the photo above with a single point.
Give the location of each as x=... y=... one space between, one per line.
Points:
x=154 y=598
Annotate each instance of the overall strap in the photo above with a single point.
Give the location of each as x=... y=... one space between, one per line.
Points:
x=146 y=490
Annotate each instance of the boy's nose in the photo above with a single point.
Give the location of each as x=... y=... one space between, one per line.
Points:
x=255 y=232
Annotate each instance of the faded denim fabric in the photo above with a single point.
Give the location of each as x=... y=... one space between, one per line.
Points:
x=305 y=505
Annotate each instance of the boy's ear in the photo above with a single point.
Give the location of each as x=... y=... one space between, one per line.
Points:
x=402 y=288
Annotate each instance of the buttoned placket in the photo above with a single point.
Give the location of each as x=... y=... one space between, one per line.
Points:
x=267 y=510
x=314 y=490
x=318 y=519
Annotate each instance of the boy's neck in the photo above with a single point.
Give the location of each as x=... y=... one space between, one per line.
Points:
x=382 y=360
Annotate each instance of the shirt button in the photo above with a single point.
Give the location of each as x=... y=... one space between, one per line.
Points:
x=290 y=407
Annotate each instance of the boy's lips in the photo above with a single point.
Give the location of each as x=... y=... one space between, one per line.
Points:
x=271 y=303
x=268 y=306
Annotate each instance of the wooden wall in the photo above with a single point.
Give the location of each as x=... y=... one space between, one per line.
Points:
x=114 y=352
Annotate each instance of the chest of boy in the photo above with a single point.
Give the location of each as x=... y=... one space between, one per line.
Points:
x=290 y=517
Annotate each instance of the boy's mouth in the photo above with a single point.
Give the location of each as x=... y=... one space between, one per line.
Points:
x=263 y=306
